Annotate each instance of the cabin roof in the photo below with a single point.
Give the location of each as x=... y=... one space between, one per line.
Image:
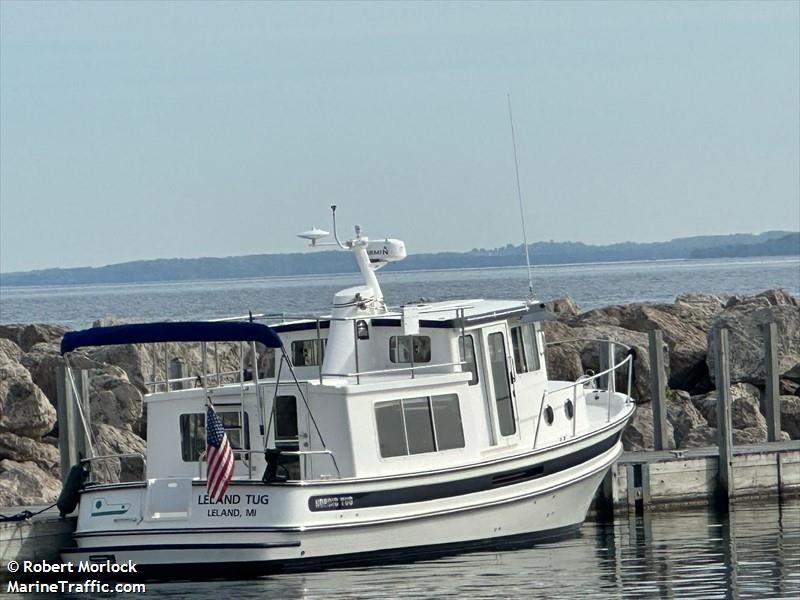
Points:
x=446 y=315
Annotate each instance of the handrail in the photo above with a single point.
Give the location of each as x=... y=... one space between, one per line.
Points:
x=251 y=451
x=583 y=380
x=181 y=379
x=325 y=451
x=139 y=455
x=122 y=455
x=394 y=370
x=601 y=340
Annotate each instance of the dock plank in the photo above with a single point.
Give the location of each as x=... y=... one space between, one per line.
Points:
x=38 y=538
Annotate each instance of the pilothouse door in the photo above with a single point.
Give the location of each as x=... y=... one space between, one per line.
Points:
x=288 y=427
x=499 y=379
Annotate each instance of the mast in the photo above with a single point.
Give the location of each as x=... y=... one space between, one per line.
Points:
x=519 y=197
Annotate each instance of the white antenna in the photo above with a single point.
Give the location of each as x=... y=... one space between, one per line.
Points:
x=519 y=196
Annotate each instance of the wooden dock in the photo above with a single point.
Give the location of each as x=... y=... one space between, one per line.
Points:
x=664 y=479
x=37 y=539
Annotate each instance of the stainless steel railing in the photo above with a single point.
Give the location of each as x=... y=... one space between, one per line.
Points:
x=394 y=370
x=250 y=452
x=593 y=379
x=123 y=455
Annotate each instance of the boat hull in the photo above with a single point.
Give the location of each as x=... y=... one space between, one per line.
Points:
x=517 y=514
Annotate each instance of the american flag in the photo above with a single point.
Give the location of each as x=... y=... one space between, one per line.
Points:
x=220 y=456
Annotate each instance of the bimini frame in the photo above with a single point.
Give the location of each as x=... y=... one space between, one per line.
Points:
x=201 y=332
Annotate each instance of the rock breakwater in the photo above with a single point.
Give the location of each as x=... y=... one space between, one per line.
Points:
x=29 y=359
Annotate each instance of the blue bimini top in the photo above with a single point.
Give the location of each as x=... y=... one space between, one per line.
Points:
x=182 y=331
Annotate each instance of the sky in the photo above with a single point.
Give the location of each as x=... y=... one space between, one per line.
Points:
x=143 y=130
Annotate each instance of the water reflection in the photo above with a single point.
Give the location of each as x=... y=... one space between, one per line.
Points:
x=751 y=552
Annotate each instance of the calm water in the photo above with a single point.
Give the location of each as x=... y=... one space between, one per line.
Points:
x=752 y=552
x=590 y=285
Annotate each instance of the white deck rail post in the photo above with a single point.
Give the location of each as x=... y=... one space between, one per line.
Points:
x=772 y=398
x=658 y=385
x=725 y=489
x=607 y=362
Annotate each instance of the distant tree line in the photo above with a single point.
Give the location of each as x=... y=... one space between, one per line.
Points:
x=772 y=243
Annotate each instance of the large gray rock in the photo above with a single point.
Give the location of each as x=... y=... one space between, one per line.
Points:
x=745 y=323
x=42 y=362
x=562 y=307
x=790 y=416
x=23 y=449
x=702 y=308
x=684 y=325
x=568 y=361
x=758 y=435
x=702 y=436
x=112 y=440
x=26 y=336
x=638 y=435
x=9 y=350
x=779 y=297
x=26 y=484
x=113 y=400
x=683 y=416
x=745 y=407
x=705 y=436
x=41 y=333
x=11 y=331
x=24 y=409
x=143 y=365
x=590 y=356
x=564 y=359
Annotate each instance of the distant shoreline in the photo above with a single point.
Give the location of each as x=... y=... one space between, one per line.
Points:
x=396 y=271
x=331 y=262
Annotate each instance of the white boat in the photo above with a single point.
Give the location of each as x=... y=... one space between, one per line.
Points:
x=376 y=433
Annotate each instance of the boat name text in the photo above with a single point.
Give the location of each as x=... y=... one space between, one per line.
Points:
x=233 y=500
x=331 y=502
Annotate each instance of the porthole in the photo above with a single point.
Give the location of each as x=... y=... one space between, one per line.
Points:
x=569 y=409
x=549 y=415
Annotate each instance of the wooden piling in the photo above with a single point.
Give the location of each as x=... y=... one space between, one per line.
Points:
x=72 y=443
x=65 y=414
x=658 y=389
x=725 y=488
x=772 y=398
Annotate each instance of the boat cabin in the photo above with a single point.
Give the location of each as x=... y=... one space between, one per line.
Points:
x=434 y=385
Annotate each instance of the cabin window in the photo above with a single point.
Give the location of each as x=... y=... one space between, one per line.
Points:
x=466 y=353
x=526 y=352
x=419 y=425
x=391 y=430
x=193 y=433
x=400 y=348
x=307 y=353
x=447 y=420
